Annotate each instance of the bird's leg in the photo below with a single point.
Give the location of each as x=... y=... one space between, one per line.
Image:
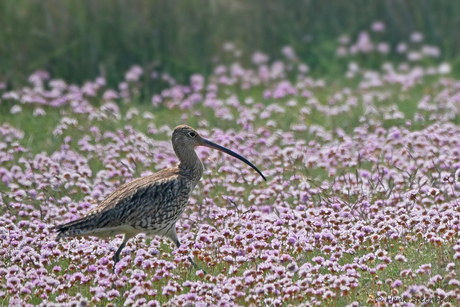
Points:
x=190 y=259
x=116 y=257
x=173 y=236
x=194 y=264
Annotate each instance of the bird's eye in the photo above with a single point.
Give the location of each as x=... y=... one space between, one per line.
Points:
x=192 y=134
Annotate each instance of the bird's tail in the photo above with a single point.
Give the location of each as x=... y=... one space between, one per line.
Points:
x=72 y=229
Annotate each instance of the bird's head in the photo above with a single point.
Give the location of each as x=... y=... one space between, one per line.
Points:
x=185 y=138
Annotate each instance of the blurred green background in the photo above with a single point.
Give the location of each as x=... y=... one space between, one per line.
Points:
x=79 y=40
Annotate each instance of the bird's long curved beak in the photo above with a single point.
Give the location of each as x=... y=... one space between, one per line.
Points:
x=231 y=153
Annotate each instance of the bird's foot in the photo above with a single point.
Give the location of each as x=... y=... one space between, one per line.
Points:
x=195 y=265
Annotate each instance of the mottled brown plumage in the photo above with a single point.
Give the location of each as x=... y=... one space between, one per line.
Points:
x=150 y=204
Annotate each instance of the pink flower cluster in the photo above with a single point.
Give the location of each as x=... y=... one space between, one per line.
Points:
x=362 y=198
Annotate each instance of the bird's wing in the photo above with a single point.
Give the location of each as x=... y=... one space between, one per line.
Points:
x=132 y=189
x=129 y=203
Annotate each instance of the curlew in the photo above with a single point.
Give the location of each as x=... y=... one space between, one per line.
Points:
x=150 y=204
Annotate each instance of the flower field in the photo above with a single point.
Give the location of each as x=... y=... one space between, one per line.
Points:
x=360 y=207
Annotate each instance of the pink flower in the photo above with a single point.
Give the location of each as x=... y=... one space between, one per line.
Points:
x=364 y=43
x=289 y=53
x=416 y=37
x=401 y=48
x=259 y=58
x=378 y=26
x=15 y=109
x=383 y=48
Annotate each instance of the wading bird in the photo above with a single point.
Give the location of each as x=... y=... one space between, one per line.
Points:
x=150 y=204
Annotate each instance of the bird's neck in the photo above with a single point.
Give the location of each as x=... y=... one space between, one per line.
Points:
x=190 y=165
